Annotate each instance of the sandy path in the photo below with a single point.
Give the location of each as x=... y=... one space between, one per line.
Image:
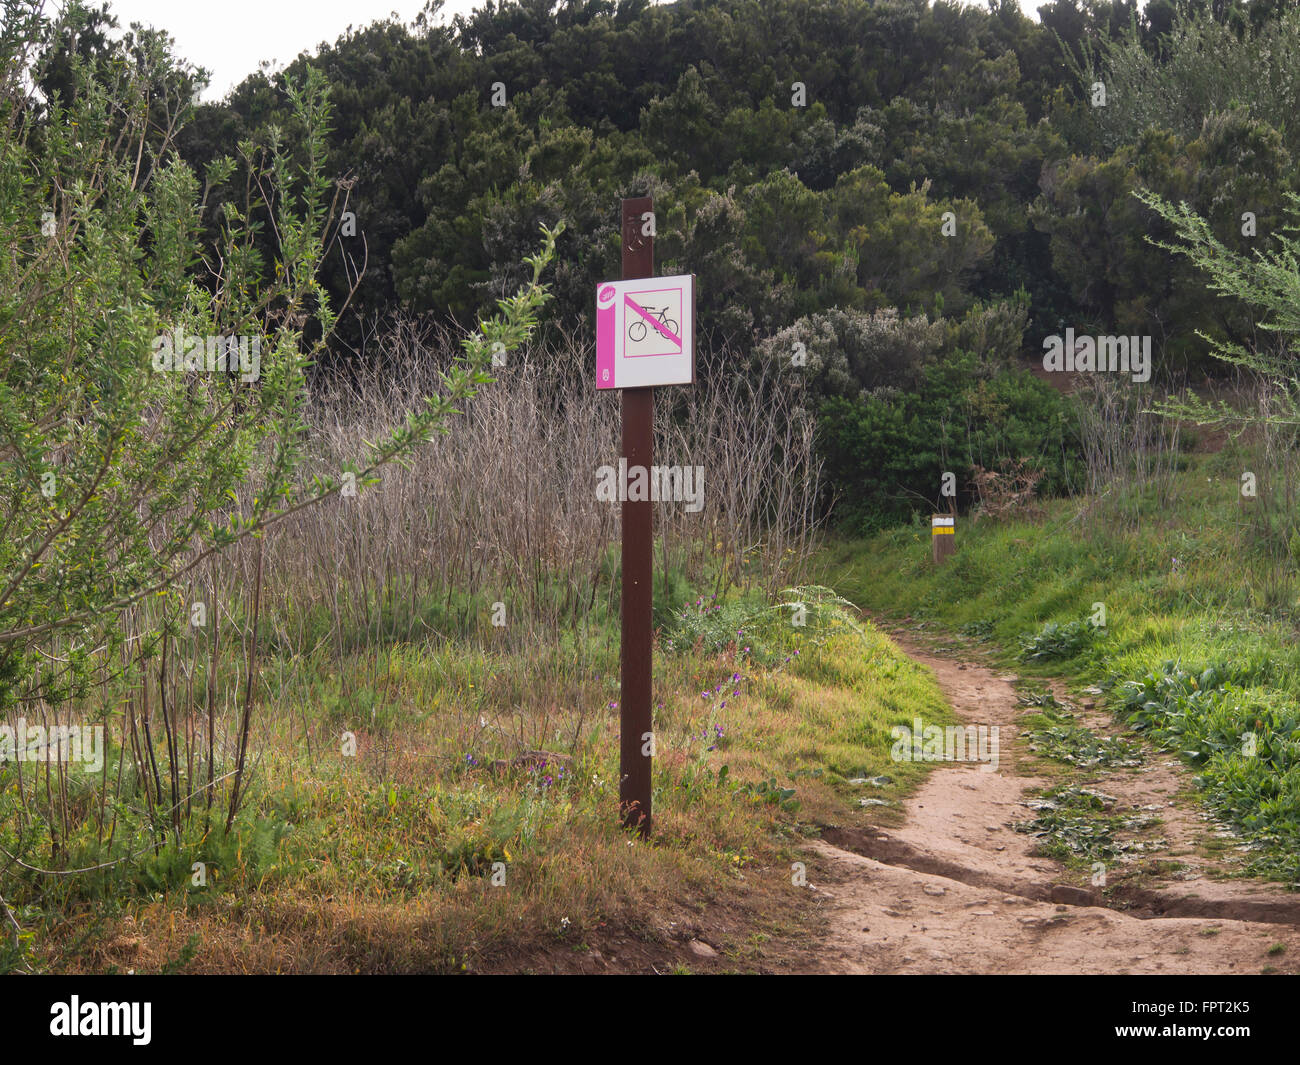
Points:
x=955 y=890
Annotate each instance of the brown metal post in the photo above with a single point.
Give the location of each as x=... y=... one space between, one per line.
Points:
x=636 y=725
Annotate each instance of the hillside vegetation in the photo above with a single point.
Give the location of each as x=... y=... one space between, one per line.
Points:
x=343 y=603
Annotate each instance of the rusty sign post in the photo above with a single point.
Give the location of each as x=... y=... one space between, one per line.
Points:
x=645 y=337
x=636 y=741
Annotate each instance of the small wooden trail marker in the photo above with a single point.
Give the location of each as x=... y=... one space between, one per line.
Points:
x=943 y=538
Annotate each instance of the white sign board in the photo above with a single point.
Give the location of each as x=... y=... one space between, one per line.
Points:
x=645 y=332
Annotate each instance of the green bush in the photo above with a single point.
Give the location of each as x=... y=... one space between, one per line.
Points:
x=886 y=453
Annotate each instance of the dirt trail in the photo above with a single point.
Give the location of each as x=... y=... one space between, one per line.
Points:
x=956 y=890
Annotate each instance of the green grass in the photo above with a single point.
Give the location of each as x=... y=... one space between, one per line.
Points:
x=384 y=861
x=1200 y=654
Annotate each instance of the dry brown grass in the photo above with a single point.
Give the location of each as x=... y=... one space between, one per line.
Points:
x=504 y=508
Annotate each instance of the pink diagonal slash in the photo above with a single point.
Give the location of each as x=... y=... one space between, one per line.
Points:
x=653 y=321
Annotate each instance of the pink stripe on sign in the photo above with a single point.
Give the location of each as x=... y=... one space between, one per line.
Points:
x=605 y=345
x=653 y=321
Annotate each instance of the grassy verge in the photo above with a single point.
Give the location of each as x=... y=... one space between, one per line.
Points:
x=1180 y=619
x=474 y=827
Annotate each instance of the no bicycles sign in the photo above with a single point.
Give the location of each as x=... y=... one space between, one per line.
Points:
x=645 y=332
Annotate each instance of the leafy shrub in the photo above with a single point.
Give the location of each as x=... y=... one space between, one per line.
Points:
x=1203 y=714
x=708 y=625
x=1245 y=742
x=885 y=453
x=1059 y=641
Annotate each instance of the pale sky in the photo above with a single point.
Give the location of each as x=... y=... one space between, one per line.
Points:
x=231 y=38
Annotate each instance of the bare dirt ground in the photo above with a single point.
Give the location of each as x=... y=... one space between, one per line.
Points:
x=955 y=889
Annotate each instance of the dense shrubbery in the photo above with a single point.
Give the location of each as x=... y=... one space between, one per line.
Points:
x=787 y=208
x=867 y=220
x=885 y=454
